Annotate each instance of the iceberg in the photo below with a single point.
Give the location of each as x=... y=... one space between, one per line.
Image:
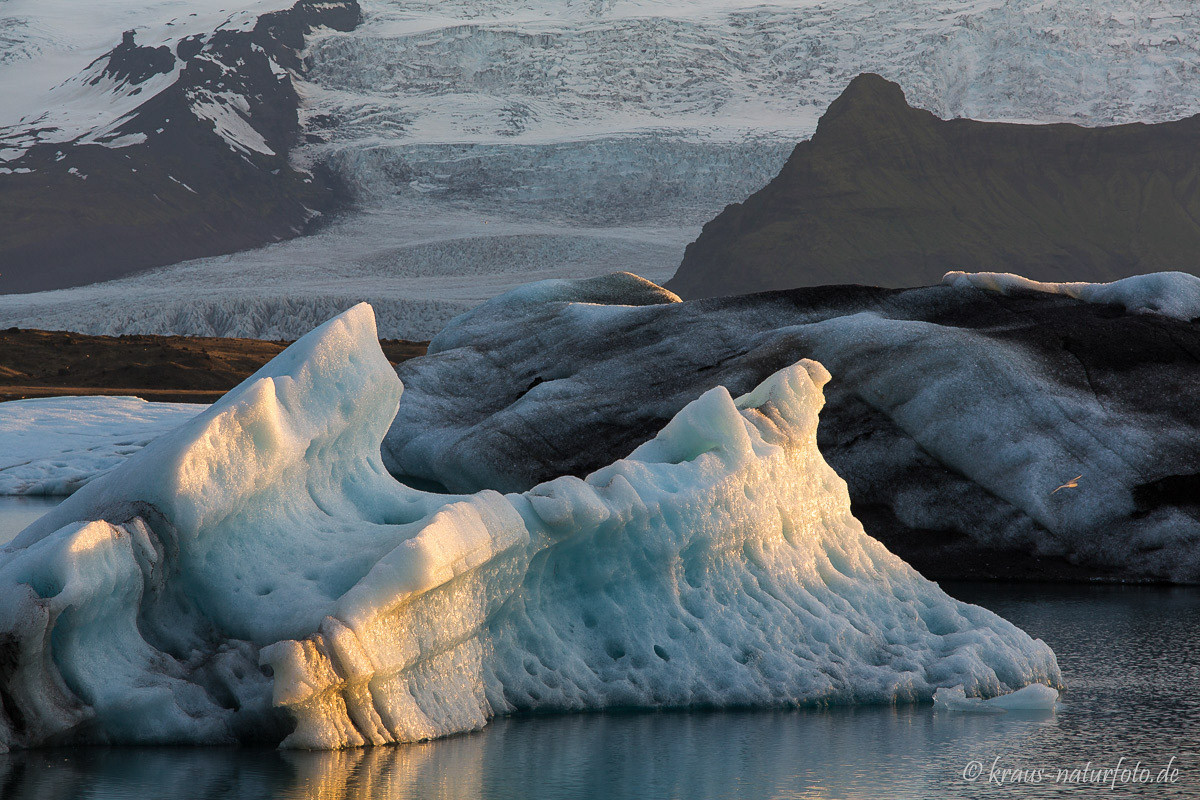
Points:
x=257 y=575
x=955 y=412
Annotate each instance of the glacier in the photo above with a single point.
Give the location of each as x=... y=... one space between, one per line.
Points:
x=605 y=132
x=256 y=574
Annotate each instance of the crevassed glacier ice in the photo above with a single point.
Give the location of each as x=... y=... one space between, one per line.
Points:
x=256 y=574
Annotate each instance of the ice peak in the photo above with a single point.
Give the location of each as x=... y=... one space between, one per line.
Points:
x=261 y=432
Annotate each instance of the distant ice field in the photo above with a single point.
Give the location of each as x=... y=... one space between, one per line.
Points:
x=418 y=274
x=490 y=144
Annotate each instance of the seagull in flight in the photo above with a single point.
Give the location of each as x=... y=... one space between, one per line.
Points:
x=1071 y=484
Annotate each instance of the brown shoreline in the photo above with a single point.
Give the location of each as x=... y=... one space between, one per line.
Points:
x=186 y=369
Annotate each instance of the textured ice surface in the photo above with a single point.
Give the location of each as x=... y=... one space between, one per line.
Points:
x=431 y=268
x=54 y=445
x=597 y=136
x=717 y=565
x=954 y=412
x=1172 y=294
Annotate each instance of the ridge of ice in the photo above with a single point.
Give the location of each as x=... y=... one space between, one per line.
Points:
x=618 y=288
x=719 y=564
x=1171 y=294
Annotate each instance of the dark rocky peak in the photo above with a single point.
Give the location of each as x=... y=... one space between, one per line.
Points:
x=870 y=105
x=131 y=63
x=890 y=195
x=189 y=47
x=288 y=28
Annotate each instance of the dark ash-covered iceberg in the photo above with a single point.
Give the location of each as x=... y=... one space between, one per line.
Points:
x=954 y=412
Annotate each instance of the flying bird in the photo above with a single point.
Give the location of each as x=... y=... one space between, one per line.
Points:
x=1071 y=484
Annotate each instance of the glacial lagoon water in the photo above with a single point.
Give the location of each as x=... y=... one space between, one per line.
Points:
x=17 y=512
x=1131 y=657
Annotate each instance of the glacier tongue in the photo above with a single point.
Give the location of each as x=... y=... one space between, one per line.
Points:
x=256 y=574
x=518 y=140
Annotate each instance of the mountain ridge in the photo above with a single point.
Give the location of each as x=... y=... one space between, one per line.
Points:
x=888 y=194
x=200 y=167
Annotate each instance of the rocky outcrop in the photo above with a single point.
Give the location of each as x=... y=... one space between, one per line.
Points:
x=955 y=413
x=200 y=167
x=890 y=195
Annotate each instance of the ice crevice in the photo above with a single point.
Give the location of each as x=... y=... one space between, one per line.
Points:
x=256 y=574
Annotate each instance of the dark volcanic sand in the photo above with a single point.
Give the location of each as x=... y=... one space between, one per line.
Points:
x=171 y=368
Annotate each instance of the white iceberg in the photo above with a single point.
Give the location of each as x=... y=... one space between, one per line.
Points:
x=256 y=574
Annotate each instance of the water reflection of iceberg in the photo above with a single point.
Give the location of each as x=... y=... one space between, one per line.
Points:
x=856 y=752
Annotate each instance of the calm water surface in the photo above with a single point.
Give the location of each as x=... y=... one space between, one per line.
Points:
x=17 y=512
x=1131 y=657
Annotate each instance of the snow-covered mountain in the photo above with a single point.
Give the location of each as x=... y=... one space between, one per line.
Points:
x=169 y=147
x=489 y=144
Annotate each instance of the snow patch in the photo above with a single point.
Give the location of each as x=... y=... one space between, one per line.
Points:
x=126 y=140
x=181 y=183
x=227 y=111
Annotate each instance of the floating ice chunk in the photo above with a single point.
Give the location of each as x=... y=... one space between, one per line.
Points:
x=1034 y=697
x=256 y=574
x=1172 y=294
